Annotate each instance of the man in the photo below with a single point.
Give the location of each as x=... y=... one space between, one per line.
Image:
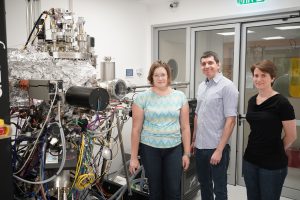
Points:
x=215 y=118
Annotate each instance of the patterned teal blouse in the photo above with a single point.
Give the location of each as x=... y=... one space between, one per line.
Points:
x=161 y=126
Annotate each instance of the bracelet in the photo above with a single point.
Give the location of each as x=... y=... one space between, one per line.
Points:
x=187 y=154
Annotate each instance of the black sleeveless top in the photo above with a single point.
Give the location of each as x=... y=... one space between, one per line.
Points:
x=265 y=147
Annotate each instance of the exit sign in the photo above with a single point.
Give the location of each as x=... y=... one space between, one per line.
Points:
x=242 y=2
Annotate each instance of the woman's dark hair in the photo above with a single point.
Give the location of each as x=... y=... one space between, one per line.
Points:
x=156 y=65
x=266 y=66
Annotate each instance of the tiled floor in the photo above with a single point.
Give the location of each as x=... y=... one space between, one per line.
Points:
x=236 y=193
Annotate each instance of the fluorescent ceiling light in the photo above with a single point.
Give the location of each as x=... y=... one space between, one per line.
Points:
x=273 y=38
x=232 y=33
x=226 y=33
x=287 y=27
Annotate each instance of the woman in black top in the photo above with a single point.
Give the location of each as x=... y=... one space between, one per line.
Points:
x=265 y=159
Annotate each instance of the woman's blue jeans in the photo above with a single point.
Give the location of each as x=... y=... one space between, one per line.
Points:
x=163 y=168
x=212 y=178
x=263 y=184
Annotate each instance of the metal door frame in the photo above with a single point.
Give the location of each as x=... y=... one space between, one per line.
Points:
x=288 y=192
x=155 y=47
x=231 y=178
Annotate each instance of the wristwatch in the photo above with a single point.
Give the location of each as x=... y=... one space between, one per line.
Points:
x=187 y=154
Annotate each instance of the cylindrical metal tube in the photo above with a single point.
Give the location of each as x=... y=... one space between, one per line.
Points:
x=107 y=71
x=27 y=18
x=71 y=5
x=116 y=88
x=94 y=98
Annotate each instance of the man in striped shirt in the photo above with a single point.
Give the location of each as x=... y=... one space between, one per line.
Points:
x=215 y=118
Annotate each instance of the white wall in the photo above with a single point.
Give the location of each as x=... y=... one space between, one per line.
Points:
x=119 y=28
x=15 y=23
x=204 y=9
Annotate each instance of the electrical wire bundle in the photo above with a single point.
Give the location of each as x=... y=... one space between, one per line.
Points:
x=44 y=135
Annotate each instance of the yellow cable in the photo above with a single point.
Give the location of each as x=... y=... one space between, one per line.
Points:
x=84 y=181
x=78 y=165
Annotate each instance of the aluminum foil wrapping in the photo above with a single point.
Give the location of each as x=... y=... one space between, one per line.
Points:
x=30 y=64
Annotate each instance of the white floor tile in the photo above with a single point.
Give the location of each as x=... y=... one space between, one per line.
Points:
x=235 y=193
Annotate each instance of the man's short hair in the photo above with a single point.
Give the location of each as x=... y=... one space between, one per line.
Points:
x=208 y=54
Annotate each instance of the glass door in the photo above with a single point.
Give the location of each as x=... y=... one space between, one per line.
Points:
x=224 y=40
x=278 y=41
x=172 y=50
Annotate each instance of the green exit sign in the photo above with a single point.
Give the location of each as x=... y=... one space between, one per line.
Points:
x=242 y=2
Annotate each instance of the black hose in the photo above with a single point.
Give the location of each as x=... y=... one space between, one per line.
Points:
x=36 y=23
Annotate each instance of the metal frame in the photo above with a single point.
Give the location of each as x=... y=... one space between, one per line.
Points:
x=240 y=18
x=289 y=192
x=233 y=141
x=155 y=51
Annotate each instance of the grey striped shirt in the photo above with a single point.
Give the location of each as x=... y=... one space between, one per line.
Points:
x=216 y=100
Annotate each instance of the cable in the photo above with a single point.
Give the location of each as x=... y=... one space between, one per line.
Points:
x=36 y=34
x=42 y=129
x=96 y=134
x=79 y=162
x=44 y=12
x=63 y=142
x=84 y=181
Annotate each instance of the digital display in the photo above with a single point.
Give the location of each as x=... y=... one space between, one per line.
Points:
x=129 y=72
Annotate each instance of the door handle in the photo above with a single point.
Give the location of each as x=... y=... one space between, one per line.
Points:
x=241 y=118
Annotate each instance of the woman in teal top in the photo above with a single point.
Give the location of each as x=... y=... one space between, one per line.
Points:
x=161 y=130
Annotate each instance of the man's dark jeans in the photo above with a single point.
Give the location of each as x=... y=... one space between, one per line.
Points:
x=163 y=168
x=212 y=178
x=263 y=184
